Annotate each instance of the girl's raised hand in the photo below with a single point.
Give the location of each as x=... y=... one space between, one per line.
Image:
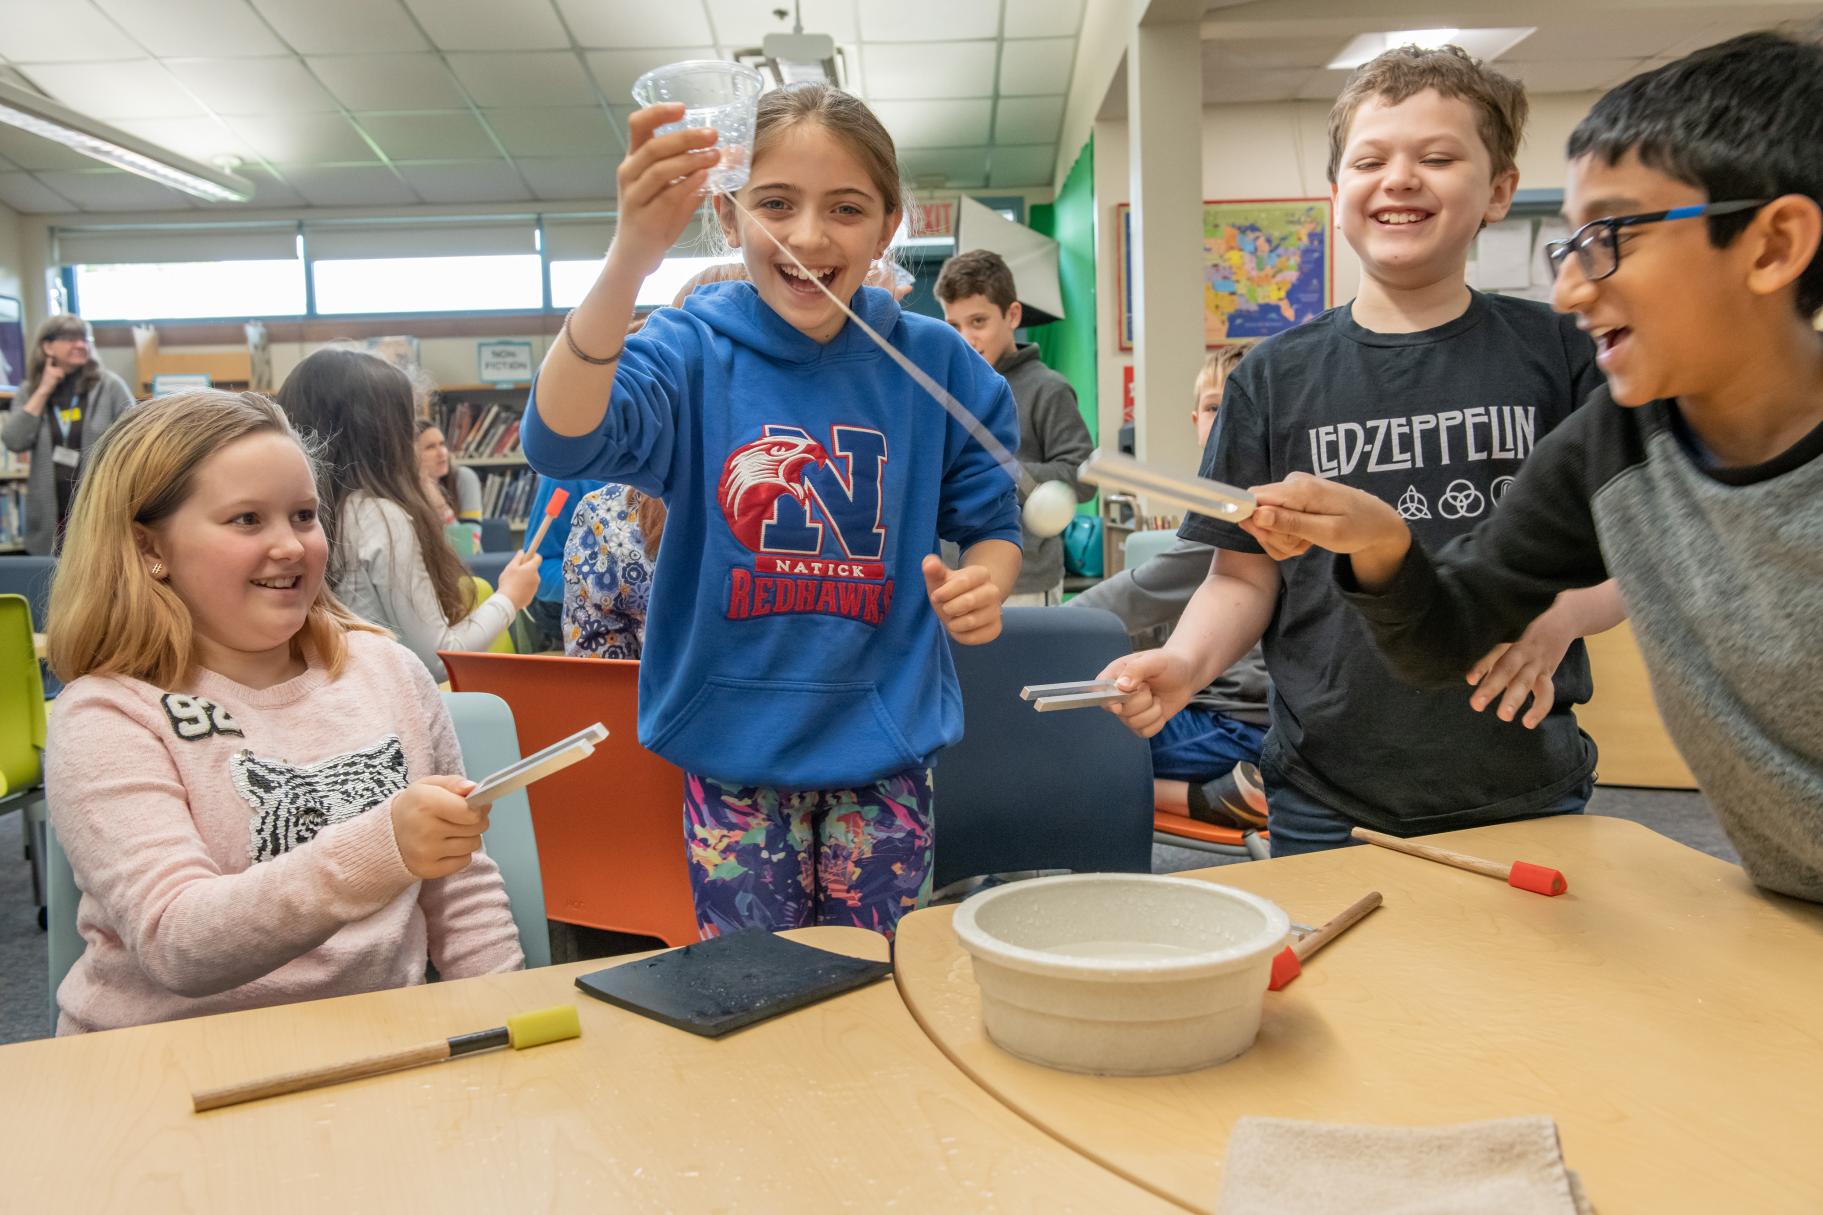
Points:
x=660 y=184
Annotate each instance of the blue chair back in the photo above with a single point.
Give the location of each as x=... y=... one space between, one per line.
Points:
x=1030 y=790
x=60 y=899
x=496 y=536
x=488 y=565
x=489 y=741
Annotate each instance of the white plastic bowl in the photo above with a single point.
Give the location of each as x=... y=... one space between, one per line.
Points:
x=1121 y=974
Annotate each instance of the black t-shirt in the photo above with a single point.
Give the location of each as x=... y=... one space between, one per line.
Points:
x=1437 y=423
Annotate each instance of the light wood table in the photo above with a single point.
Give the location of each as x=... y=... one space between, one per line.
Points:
x=843 y=1104
x=1667 y=1014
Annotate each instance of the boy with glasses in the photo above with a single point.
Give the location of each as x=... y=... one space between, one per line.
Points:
x=1427 y=394
x=1695 y=478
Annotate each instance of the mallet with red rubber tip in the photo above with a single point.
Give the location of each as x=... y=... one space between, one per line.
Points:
x=1289 y=962
x=1521 y=874
x=558 y=498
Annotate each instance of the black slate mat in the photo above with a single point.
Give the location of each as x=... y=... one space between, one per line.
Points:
x=729 y=982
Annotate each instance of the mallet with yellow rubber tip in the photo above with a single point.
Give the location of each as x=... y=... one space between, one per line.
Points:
x=520 y=1032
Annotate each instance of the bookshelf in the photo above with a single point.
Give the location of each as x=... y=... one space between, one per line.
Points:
x=481 y=424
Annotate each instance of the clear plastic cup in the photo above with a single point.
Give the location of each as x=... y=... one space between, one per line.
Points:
x=715 y=93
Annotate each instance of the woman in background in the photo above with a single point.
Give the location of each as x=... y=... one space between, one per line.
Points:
x=59 y=413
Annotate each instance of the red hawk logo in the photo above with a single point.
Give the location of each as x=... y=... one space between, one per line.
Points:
x=754 y=476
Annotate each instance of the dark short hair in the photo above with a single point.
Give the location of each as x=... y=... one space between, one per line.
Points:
x=1741 y=119
x=1499 y=101
x=977 y=272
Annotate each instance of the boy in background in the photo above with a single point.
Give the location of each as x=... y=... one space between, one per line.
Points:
x=1695 y=478
x=1428 y=396
x=981 y=303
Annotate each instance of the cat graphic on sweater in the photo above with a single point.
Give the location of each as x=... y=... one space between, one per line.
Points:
x=292 y=803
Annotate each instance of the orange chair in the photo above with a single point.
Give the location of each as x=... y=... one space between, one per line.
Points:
x=1181 y=831
x=611 y=828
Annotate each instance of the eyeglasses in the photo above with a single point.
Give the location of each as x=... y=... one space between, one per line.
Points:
x=1597 y=243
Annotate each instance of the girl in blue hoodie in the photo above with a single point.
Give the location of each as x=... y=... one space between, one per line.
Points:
x=788 y=670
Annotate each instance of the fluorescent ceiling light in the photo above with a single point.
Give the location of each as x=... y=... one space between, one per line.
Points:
x=1482 y=43
x=796 y=57
x=43 y=117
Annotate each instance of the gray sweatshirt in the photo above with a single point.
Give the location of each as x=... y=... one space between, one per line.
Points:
x=1722 y=571
x=1053 y=443
x=24 y=432
x=1154 y=595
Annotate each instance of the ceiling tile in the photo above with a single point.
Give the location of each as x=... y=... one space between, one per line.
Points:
x=524 y=79
x=936 y=124
x=195 y=27
x=23 y=192
x=1572 y=76
x=1598 y=35
x=633 y=23
x=1036 y=65
x=1043 y=18
x=253 y=86
x=443 y=135
x=1223 y=54
x=466 y=182
x=569 y=178
x=615 y=71
x=1028 y=119
x=328 y=27
x=388 y=82
x=743 y=23
x=556 y=131
x=1027 y=166
x=268 y=191
x=348 y=185
x=490 y=25
x=201 y=139
x=1325 y=84
x=964 y=167
x=113 y=190
x=62 y=32
x=30 y=151
x=928 y=20
x=286 y=139
x=948 y=69
x=132 y=89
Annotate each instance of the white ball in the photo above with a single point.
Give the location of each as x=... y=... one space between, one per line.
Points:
x=1049 y=508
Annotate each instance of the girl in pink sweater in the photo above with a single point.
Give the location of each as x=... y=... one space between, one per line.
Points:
x=244 y=774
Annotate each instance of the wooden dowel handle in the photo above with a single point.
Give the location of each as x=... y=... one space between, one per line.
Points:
x=318 y=1077
x=538 y=536
x=1430 y=852
x=1310 y=942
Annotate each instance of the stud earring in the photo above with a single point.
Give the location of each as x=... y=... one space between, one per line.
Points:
x=158 y=569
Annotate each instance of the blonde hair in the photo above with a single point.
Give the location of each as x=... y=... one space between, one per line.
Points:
x=1220 y=362
x=108 y=615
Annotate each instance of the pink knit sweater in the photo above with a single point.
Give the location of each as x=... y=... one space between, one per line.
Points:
x=234 y=847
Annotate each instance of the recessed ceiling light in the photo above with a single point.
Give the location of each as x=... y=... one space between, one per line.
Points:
x=1482 y=43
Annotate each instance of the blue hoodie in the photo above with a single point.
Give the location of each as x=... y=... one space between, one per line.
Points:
x=790 y=641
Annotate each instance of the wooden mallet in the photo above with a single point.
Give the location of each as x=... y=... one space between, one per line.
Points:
x=1521 y=874
x=551 y=509
x=520 y=1032
x=1289 y=962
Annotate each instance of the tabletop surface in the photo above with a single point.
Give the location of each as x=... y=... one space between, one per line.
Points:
x=845 y=1104
x=1666 y=1013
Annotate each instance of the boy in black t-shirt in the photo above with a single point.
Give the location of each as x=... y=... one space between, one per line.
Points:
x=1695 y=479
x=1429 y=396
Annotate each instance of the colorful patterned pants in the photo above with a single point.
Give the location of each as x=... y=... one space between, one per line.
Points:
x=790 y=858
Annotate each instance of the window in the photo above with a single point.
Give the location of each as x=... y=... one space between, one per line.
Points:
x=571 y=280
x=485 y=283
x=142 y=291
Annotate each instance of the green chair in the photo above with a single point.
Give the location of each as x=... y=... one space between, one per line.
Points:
x=1141 y=547
x=22 y=731
x=489 y=742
